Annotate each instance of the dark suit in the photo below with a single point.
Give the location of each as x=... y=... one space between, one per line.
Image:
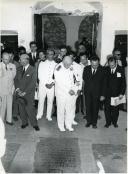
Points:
x=94 y=88
x=32 y=60
x=115 y=86
x=26 y=83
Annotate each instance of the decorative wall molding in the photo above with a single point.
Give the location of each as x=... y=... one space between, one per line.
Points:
x=77 y=8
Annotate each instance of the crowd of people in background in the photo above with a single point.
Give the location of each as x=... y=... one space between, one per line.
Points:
x=63 y=82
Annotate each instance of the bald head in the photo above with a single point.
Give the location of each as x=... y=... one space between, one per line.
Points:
x=5 y=58
x=67 y=61
x=24 y=59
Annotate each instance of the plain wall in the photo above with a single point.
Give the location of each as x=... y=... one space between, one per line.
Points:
x=17 y=15
x=115 y=17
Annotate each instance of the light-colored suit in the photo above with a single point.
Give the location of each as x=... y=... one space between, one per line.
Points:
x=2 y=145
x=7 y=89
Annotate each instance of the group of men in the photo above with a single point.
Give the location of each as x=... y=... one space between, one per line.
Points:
x=62 y=78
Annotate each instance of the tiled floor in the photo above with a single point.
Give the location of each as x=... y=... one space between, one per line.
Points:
x=23 y=162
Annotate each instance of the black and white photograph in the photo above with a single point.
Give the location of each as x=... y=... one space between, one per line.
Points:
x=63 y=86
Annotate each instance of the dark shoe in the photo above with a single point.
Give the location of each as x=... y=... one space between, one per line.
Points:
x=115 y=125
x=36 y=128
x=15 y=118
x=88 y=125
x=106 y=125
x=11 y=124
x=54 y=114
x=24 y=126
x=94 y=126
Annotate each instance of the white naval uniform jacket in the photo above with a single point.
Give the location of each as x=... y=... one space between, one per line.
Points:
x=64 y=81
x=7 y=78
x=45 y=72
x=83 y=66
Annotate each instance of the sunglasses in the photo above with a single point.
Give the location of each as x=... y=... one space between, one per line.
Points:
x=117 y=54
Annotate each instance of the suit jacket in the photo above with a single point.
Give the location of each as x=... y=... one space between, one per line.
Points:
x=116 y=83
x=94 y=83
x=31 y=60
x=27 y=83
x=7 y=78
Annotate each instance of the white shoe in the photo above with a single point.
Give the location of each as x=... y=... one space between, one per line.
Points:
x=70 y=129
x=75 y=123
x=62 y=129
x=49 y=119
x=38 y=117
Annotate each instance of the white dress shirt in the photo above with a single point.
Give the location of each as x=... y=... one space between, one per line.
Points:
x=45 y=72
x=26 y=67
x=113 y=70
x=94 y=70
x=33 y=54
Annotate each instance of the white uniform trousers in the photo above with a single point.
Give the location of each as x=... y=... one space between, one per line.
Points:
x=65 y=111
x=6 y=108
x=43 y=93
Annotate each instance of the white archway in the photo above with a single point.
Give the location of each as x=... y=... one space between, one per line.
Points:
x=77 y=9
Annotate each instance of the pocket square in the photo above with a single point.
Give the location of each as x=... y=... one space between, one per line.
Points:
x=118 y=74
x=27 y=75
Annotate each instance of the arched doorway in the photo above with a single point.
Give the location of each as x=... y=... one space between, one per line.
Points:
x=49 y=30
x=54 y=32
x=88 y=30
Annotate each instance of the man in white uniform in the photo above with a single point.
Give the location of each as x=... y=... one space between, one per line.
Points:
x=78 y=80
x=7 y=75
x=46 y=85
x=66 y=91
x=80 y=102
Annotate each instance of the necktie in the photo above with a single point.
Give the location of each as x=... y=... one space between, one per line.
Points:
x=34 y=58
x=94 y=71
x=23 y=72
x=6 y=67
x=112 y=71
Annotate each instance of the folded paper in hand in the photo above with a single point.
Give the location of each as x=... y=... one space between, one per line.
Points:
x=36 y=94
x=115 y=101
